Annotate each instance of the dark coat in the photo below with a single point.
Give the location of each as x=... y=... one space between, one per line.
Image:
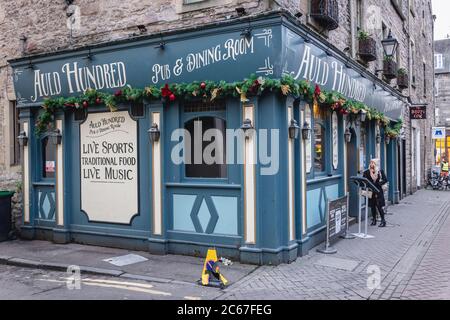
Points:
x=377 y=198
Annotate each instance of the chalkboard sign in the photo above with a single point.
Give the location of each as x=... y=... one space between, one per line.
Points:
x=337 y=218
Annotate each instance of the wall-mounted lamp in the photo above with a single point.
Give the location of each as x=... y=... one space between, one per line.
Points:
x=389 y=45
x=161 y=45
x=294 y=129
x=348 y=135
x=362 y=115
x=306 y=131
x=69 y=2
x=387 y=139
x=56 y=137
x=246 y=127
x=378 y=138
x=247 y=33
x=153 y=133
x=23 y=139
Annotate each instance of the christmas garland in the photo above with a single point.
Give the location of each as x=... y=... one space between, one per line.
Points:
x=210 y=90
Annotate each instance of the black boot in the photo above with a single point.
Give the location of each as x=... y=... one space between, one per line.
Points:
x=374 y=222
x=382 y=224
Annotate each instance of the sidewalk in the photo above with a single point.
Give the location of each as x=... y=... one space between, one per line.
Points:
x=162 y=269
x=411 y=254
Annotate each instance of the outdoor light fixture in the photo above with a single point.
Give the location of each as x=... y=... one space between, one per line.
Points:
x=56 y=137
x=69 y=2
x=389 y=45
x=247 y=33
x=306 y=131
x=240 y=11
x=246 y=126
x=161 y=45
x=387 y=140
x=23 y=139
x=363 y=115
x=294 y=129
x=378 y=138
x=348 y=135
x=154 y=133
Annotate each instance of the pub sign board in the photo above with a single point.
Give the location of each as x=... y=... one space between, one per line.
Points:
x=418 y=112
x=223 y=54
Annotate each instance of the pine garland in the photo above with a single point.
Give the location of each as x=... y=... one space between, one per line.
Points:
x=209 y=90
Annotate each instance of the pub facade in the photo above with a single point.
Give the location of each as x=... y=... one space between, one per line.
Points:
x=109 y=131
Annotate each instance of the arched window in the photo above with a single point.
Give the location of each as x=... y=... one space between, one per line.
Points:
x=207 y=158
x=48 y=151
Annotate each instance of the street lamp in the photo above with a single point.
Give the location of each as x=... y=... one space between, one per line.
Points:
x=389 y=45
x=294 y=129
x=306 y=131
x=154 y=133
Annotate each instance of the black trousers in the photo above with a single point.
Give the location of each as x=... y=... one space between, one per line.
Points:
x=380 y=210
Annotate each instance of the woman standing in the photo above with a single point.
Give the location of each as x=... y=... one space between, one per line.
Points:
x=378 y=178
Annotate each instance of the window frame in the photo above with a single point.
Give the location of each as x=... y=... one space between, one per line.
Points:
x=326 y=145
x=188 y=116
x=40 y=152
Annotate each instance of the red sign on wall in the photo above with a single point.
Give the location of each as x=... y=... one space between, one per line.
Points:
x=418 y=112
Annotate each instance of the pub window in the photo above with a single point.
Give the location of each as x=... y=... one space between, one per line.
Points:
x=14 y=133
x=319 y=140
x=209 y=159
x=48 y=150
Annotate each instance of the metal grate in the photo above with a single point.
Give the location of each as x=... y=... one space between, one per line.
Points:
x=204 y=106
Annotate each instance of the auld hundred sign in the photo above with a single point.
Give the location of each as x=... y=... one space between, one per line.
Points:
x=109 y=167
x=269 y=51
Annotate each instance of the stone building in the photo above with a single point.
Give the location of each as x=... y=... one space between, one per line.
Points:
x=35 y=30
x=442 y=94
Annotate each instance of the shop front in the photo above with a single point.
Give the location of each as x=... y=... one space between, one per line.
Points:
x=232 y=136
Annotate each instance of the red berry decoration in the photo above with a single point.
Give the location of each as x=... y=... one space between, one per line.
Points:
x=203 y=85
x=98 y=101
x=172 y=97
x=85 y=104
x=118 y=93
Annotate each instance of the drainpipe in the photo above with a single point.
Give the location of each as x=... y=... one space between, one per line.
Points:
x=352 y=29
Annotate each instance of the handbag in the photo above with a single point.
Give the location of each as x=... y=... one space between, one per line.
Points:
x=367 y=193
x=385 y=187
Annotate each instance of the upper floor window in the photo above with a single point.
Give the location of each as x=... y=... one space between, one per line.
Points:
x=438 y=61
x=192 y=1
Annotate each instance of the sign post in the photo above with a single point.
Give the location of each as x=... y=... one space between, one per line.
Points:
x=337 y=223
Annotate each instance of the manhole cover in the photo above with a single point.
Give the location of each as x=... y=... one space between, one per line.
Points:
x=337 y=263
x=126 y=260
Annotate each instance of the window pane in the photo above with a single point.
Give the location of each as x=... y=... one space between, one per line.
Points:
x=199 y=166
x=48 y=158
x=319 y=147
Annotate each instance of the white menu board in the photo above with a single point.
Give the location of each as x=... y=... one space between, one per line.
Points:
x=109 y=167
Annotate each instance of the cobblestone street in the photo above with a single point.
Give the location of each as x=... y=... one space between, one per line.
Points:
x=409 y=259
x=411 y=253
